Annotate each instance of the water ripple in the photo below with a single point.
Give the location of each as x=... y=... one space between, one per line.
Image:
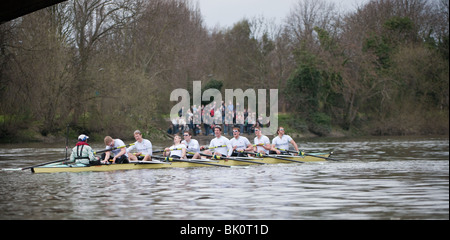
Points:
x=379 y=179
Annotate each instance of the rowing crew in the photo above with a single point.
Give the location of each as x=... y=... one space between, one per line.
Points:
x=222 y=146
x=116 y=151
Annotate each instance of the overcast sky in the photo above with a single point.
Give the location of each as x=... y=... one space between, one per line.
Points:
x=225 y=13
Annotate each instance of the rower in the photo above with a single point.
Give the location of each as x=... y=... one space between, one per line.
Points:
x=177 y=150
x=262 y=142
x=191 y=146
x=240 y=143
x=282 y=142
x=83 y=153
x=220 y=144
x=142 y=146
x=119 y=152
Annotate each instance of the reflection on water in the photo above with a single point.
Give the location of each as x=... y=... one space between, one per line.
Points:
x=381 y=178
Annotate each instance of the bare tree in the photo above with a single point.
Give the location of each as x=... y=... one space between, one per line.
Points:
x=92 y=21
x=308 y=14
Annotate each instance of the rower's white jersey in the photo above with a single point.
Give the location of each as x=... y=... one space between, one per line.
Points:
x=263 y=140
x=225 y=151
x=192 y=146
x=241 y=143
x=283 y=142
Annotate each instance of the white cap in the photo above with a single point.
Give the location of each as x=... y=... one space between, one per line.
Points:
x=83 y=137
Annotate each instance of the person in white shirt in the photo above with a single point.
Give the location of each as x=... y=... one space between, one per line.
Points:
x=220 y=144
x=177 y=150
x=282 y=141
x=119 y=152
x=262 y=143
x=240 y=143
x=142 y=146
x=191 y=145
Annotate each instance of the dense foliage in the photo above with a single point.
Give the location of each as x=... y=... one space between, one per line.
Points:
x=106 y=66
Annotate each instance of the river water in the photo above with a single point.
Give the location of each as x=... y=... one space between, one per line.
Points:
x=379 y=178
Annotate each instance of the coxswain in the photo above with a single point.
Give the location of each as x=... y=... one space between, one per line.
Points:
x=83 y=153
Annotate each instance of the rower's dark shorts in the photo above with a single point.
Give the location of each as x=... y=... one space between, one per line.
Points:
x=238 y=154
x=120 y=160
x=281 y=152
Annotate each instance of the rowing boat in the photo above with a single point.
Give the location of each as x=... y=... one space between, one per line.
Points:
x=156 y=164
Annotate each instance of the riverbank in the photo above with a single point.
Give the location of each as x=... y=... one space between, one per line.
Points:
x=296 y=127
x=28 y=136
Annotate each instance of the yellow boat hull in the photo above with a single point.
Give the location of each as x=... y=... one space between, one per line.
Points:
x=58 y=167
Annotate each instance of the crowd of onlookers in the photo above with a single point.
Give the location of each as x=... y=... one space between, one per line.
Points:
x=224 y=115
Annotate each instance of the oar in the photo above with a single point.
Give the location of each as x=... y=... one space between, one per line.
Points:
x=276 y=157
x=158 y=151
x=259 y=144
x=302 y=153
x=190 y=161
x=42 y=164
x=216 y=147
x=326 y=158
x=206 y=147
x=284 y=159
x=114 y=148
x=170 y=149
x=230 y=158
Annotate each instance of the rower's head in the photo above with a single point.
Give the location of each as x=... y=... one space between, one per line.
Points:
x=187 y=136
x=258 y=131
x=217 y=130
x=177 y=139
x=138 y=135
x=83 y=138
x=109 y=141
x=236 y=132
x=280 y=130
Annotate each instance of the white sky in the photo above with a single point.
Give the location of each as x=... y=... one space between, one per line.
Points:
x=225 y=13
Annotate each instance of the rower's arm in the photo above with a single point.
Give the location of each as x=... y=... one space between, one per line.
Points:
x=183 y=153
x=122 y=152
x=107 y=155
x=229 y=148
x=249 y=147
x=273 y=148
x=295 y=145
x=267 y=146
